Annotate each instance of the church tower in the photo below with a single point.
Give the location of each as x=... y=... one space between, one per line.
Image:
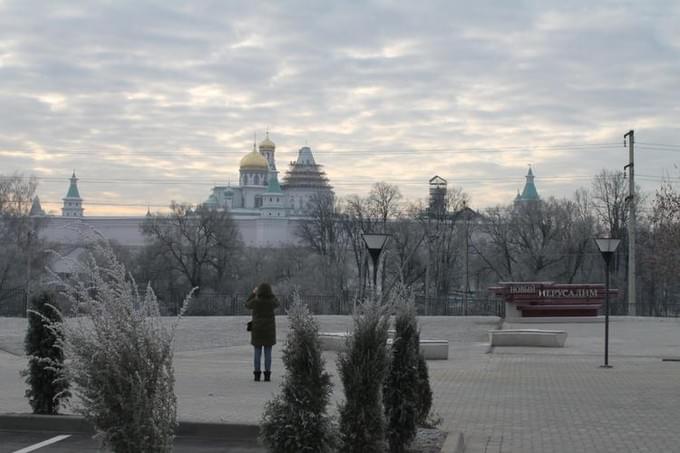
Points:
x=273 y=201
x=267 y=149
x=73 y=204
x=529 y=194
x=36 y=208
x=253 y=178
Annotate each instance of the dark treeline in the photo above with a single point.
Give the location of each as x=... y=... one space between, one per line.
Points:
x=450 y=252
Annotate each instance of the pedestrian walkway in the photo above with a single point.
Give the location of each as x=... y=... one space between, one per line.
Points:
x=507 y=400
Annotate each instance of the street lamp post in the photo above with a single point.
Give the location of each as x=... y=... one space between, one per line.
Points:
x=375 y=242
x=607 y=247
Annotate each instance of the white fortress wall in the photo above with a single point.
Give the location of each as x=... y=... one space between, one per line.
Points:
x=255 y=231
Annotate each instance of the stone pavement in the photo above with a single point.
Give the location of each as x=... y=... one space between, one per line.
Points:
x=509 y=400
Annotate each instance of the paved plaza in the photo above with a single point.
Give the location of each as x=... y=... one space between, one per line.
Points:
x=512 y=399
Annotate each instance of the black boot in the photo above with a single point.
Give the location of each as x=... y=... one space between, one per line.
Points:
x=267 y=376
x=257 y=375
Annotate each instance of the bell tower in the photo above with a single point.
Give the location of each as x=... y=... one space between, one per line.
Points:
x=73 y=204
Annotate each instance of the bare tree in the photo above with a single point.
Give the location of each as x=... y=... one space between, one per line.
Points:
x=324 y=233
x=546 y=240
x=444 y=236
x=321 y=229
x=383 y=200
x=20 y=244
x=495 y=245
x=196 y=242
x=660 y=255
x=609 y=201
x=580 y=228
x=357 y=220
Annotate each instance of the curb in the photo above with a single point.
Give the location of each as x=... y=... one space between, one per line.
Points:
x=454 y=444
x=77 y=424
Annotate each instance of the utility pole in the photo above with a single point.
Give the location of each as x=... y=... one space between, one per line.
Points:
x=631 y=221
x=467 y=257
x=28 y=273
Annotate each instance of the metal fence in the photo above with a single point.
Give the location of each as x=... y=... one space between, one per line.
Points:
x=322 y=304
x=234 y=305
x=460 y=305
x=13 y=304
x=646 y=308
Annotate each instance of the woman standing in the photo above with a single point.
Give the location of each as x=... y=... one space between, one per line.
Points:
x=263 y=328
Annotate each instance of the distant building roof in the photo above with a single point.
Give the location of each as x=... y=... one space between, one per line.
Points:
x=305 y=172
x=36 y=208
x=254 y=161
x=267 y=143
x=529 y=193
x=73 y=188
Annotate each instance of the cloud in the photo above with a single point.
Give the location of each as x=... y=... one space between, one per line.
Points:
x=158 y=100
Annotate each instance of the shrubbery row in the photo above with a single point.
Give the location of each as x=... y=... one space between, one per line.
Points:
x=387 y=391
x=121 y=370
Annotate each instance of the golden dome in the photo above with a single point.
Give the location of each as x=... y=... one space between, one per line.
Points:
x=266 y=143
x=254 y=160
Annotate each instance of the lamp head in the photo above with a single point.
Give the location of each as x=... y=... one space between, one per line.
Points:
x=375 y=241
x=607 y=245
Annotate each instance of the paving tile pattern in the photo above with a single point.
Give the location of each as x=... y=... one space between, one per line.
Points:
x=550 y=400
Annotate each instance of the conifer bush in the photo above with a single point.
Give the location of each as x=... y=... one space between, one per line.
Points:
x=296 y=420
x=48 y=388
x=120 y=357
x=362 y=370
x=424 y=400
x=400 y=393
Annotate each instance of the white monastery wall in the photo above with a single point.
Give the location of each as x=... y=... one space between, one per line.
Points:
x=255 y=230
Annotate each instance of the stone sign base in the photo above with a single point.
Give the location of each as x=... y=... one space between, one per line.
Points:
x=431 y=349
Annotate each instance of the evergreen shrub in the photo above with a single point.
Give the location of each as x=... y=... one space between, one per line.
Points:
x=48 y=387
x=296 y=419
x=400 y=393
x=120 y=357
x=424 y=391
x=362 y=370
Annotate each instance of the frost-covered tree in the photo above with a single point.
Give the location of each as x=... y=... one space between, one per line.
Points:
x=48 y=388
x=296 y=420
x=424 y=400
x=362 y=371
x=119 y=357
x=400 y=393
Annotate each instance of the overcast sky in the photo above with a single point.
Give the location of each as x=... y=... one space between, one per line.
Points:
x=158 y=100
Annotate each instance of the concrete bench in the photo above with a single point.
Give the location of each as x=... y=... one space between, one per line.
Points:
x=431 y=349
x=528 y=337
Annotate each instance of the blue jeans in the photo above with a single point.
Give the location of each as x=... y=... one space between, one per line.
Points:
x=267 y=357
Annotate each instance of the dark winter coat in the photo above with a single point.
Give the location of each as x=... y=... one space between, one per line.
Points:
x=263 y=302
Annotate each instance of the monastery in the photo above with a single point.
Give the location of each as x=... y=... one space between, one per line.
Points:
x=266 y=211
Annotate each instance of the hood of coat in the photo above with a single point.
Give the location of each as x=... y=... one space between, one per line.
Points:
x=264 y=290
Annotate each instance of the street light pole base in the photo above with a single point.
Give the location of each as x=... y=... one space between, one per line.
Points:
x=606 y=366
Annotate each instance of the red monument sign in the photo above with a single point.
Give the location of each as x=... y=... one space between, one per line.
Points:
x=530 y=299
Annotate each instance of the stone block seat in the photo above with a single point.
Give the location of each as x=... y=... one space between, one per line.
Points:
x=431 y=349
x=528 y=337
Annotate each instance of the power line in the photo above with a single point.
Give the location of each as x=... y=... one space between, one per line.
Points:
x=88 y=151
x=662 y=145
x=357 y=180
